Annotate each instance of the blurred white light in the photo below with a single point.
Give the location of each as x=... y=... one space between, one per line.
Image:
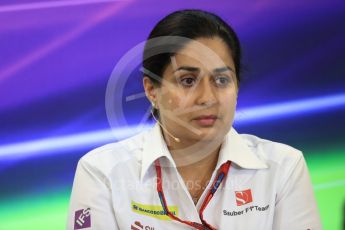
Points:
x=57 y=145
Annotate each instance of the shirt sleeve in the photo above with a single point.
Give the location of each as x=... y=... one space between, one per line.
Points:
x=91 y=202
x=295 y=204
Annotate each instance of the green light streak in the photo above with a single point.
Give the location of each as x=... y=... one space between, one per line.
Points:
x=35 y=212
x=328 y=175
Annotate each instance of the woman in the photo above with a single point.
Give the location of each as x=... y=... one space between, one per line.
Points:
x=192 y=170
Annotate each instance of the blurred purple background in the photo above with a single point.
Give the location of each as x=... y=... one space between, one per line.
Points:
x=56 y=58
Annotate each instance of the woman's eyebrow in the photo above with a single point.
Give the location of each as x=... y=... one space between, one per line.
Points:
x=187 y=68
x=195 y=69
x=223 y=69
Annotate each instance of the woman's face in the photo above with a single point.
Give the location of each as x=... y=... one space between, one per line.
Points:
x=198 y=95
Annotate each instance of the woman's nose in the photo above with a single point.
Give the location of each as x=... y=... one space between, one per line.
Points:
x=206 y=92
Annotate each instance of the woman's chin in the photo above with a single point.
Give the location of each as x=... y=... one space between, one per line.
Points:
x=209 y=133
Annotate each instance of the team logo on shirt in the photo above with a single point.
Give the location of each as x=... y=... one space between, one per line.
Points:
x=82 y=219
x=243 y=197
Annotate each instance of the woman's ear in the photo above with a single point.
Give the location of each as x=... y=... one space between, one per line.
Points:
x=150 y=89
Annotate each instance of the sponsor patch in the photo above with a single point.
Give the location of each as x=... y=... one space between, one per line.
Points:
x=155 y=211
x=138 y=226
x=82 y=219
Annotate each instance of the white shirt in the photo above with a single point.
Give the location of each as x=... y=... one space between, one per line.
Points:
x=267 y=187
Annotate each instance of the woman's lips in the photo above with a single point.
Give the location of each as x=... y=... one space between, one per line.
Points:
x=206 y=120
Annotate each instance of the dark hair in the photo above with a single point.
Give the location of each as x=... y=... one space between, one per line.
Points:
x=191 y=24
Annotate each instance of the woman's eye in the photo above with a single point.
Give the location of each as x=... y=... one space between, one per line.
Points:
x=222 y=80
x=188 y=81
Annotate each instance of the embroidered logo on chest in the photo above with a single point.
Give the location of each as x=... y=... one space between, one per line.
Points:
x=243 y=197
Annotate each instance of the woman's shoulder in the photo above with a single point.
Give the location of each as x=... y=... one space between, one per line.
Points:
x=112 y=154
x=272 y=152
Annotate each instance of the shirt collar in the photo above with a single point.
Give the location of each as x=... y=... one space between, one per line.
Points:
x=154 y=147
x=234 y=149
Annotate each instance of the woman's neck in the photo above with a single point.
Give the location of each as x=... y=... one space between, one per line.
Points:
x=201 y=168
x=193 y=157
x=195 y=165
